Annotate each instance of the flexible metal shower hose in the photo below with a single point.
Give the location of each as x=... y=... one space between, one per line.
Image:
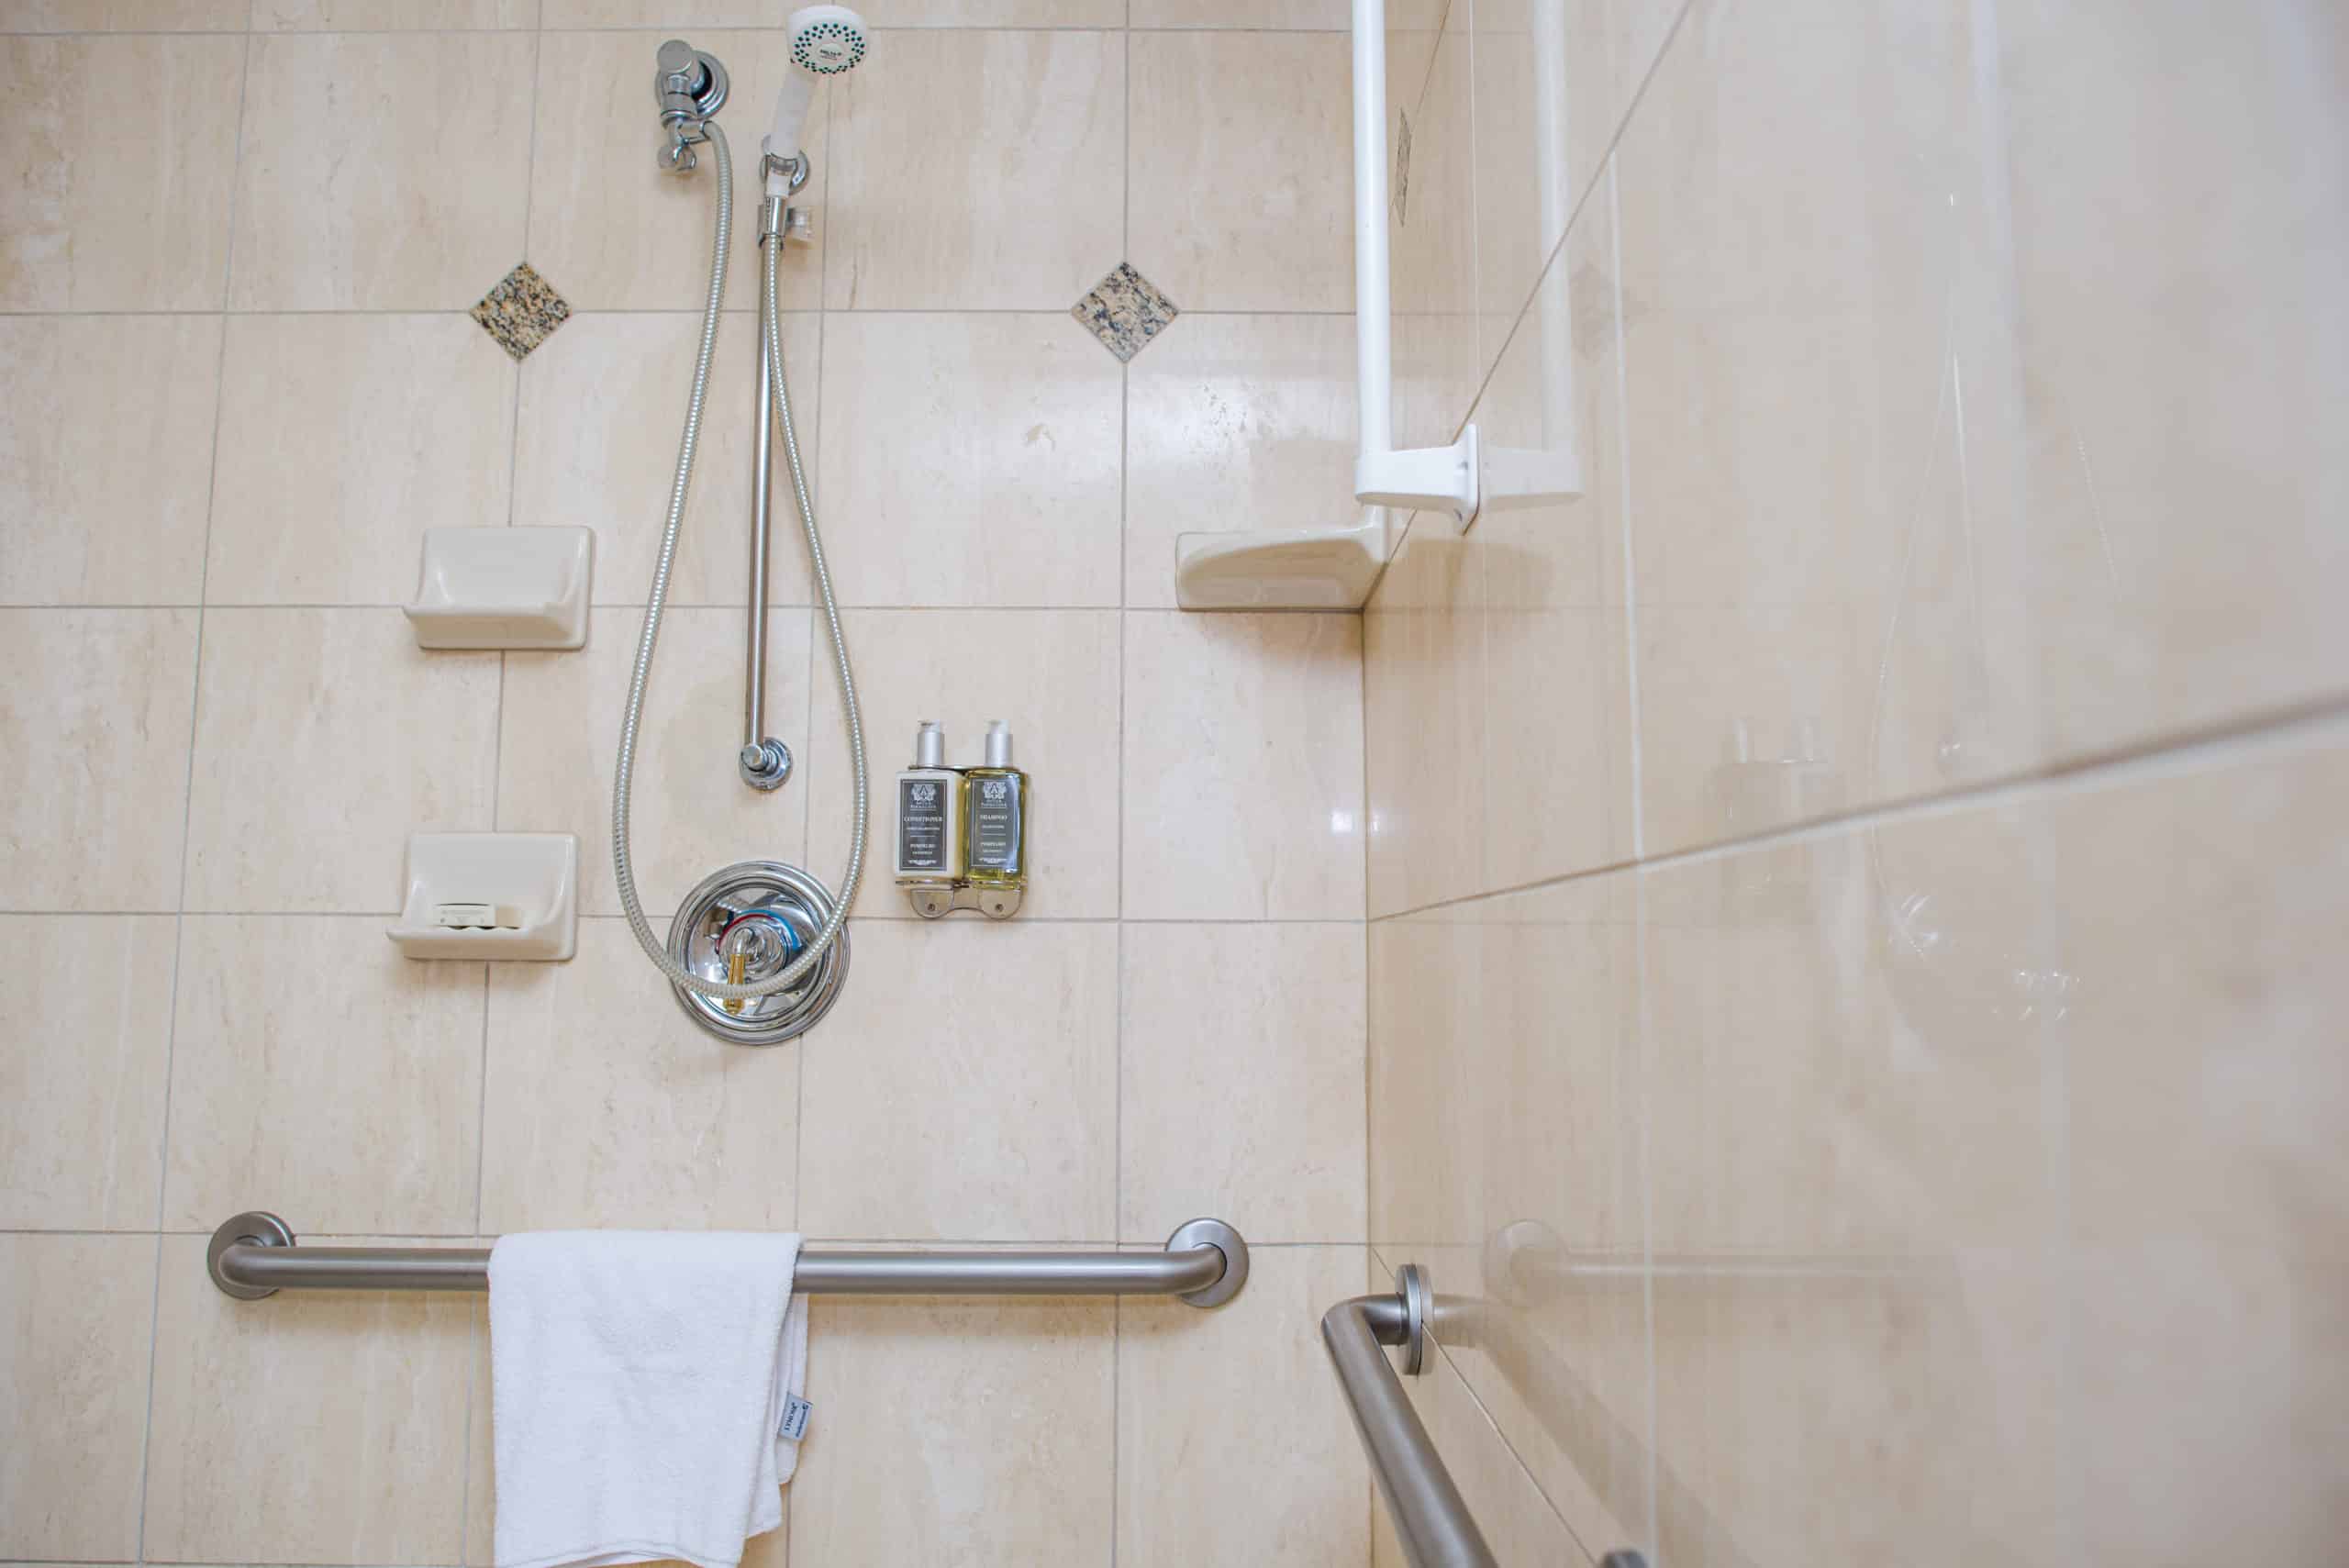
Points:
x=624 y=774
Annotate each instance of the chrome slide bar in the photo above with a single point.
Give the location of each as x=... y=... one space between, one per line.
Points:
x=755 y=657
x=1205 y=1264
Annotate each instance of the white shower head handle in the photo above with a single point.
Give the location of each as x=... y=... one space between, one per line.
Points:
x=826 y=41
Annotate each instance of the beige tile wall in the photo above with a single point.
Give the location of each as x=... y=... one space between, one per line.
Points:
x=239 y=239
x=1847 y=1027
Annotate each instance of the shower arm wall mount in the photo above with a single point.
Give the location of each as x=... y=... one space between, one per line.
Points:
x=690 y=85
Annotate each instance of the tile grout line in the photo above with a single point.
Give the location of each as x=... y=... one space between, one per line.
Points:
x=188 y=795
x=497 y=726
x=846 y=610
x=847 y=607
x=615 y=917
x=647 y=31
x=1363 y=924
x=2115 y=766
x=806 y=801
x=1573 y=216
x=1043 y=312
x=481 y=1159
x=497 y=784
x=1508 y=1446
x=1624 y=505
x=1644 y=1023
x=1118 y=1032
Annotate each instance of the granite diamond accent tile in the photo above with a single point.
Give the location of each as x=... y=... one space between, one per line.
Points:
x=1125 y=310
x=521 y=311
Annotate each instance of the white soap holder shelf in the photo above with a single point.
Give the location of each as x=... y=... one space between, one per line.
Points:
x=490 y=896
x=503 y=588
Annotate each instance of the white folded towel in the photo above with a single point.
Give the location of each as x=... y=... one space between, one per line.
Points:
x=640 y=1379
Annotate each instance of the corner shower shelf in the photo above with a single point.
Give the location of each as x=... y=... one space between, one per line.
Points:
x=490 y=896
x=503 y=588
x=1282 y=569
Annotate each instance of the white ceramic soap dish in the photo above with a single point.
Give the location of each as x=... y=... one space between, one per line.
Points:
x=503 y=588
x=490 y=896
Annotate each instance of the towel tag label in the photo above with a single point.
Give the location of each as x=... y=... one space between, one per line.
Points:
x=794 y=1425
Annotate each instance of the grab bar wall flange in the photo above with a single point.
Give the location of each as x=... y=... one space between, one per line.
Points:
x=1205 y=1264
x=254 y=1228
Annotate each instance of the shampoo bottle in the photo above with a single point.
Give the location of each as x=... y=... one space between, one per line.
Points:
x=995 y=809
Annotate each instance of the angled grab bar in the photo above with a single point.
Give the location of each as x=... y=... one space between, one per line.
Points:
x=1205 y=1264
x=1431 y=1520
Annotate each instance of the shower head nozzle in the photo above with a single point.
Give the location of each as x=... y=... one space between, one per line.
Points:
x=826 y=41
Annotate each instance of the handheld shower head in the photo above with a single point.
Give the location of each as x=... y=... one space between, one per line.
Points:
x=826 y=41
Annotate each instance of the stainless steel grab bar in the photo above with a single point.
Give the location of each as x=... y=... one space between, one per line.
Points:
x=1430 y=1519
x=1205 y=1264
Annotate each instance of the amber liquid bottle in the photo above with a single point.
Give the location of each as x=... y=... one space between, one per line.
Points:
x=995 y=830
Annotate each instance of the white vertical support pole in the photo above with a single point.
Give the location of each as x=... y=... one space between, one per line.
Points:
x=1430 y=478
x=1373 y=301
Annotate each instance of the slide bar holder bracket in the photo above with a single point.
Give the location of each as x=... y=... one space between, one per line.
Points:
x=1205 y=1264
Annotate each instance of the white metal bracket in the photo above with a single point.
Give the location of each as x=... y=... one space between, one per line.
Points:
x=1424 y=479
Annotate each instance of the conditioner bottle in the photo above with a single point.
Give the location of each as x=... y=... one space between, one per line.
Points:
x=929 y=839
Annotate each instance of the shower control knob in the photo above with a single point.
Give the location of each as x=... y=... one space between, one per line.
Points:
x=679 y=65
